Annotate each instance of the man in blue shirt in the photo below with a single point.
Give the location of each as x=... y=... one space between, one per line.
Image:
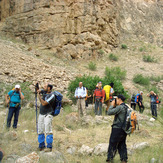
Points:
x=152 y=96
x=13 y=98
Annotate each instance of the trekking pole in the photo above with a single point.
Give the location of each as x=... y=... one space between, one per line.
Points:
x=36 y=88
x=5 y=117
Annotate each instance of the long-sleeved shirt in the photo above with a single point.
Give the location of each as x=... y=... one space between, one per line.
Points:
x=120 y=114
x=80 y=92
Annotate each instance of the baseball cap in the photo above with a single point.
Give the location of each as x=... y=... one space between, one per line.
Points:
x=17 y=86
x=99 y=82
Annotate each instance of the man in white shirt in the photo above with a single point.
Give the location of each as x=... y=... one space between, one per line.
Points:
x=80 y=94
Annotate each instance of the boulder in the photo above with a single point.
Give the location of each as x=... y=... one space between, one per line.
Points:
x=140 y=146
x=31 y=158
x=100 y=149
x=55 y=156
x=71 y=150
x=85 y=150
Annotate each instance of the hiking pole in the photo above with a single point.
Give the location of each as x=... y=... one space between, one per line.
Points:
x=36 y=88
x=5 y=117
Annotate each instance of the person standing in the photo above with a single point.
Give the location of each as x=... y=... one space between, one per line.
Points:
x=140 y=102
x=99 y=95
x=118 y=136
x=47 y=100
x=13 y=99
x=132 y=101
x=80 y=94
x=153 y=103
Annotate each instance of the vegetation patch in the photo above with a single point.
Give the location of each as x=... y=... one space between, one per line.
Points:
x=123 y=46
x=140 y=79
x=148 y=58
x=92 y=66
x=113 y=57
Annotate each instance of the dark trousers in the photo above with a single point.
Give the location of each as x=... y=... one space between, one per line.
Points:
x=141 y=107
x=98 y=107
x=117 y=142
x=13 y=111
x=154 y=109
x=133 y=105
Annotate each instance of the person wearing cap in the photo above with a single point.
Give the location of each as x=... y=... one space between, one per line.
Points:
x=80 y=94
x=140 y=102
x=13 y=99
x=99 y=95
x=118 y=136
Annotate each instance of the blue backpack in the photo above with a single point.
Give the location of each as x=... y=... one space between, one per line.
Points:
x=58 y=102
x=136 y=97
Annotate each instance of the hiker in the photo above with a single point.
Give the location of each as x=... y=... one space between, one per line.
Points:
x=1 y=154
x=152 y=96
x=132 y=101
x=86 y=98
x=99 y=95
x=80 y=94
x=45 y=118
x=13 y=99
x=118 y=135
x=140 y=102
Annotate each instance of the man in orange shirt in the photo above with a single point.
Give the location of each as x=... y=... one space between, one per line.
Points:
x=99 y=95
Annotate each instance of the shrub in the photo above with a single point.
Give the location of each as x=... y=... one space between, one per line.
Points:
x=148 y=58
x=142 y=49
x=92 y=66
x=101 y=52
x=156 y=78
x=113 y=57
x=90 y=82
x=115 y=72
x=139 y=79
x=123 y=46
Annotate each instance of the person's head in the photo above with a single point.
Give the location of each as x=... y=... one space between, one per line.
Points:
x=99 y=84
x=112 y=84
x=48 y=87
x=141 y=92
x=80 y=84
x=120 y=99
x=17 y=88
x=151 y=92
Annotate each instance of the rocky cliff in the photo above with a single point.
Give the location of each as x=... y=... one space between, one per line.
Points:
x=80 y=28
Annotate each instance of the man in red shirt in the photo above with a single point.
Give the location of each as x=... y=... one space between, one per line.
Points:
x=99 y=95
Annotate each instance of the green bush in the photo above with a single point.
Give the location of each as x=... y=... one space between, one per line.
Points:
x=115 y=72
x=123 y=46
x=90 y=82
x=156 y=78
x=140 y=79
x=101 y=52
x=113 y=57
x=148 y=58
x=141 y=49
x=92 y=66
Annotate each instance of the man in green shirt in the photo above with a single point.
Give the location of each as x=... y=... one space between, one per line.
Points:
x=118 y=135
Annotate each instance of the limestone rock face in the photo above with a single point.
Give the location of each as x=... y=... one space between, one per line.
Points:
x=73 y=29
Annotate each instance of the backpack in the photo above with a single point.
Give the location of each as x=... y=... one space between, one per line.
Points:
x=130 y=121
x=107 y=92
x=133 y=98
x=137 y=98
x=57 y=104
x=157 y=100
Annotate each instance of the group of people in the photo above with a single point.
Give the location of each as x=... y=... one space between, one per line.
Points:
x=138 y=100
x=115 y=107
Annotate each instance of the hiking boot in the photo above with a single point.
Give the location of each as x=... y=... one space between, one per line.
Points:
x=40 y=149
x=48 y=150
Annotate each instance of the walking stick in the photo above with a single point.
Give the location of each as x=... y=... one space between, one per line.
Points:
x=36 y=88
x=5 y=117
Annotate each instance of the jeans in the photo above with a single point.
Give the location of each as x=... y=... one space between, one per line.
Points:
x=117 y=142
x=154 y=109
x=13 y=111
x=98 y=107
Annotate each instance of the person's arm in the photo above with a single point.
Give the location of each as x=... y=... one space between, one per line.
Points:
x=114 y=110
x=41 y=100
x=76 y=95
x=21 y=95
x=148 y=95
x=103 y=96
x=7 y=99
